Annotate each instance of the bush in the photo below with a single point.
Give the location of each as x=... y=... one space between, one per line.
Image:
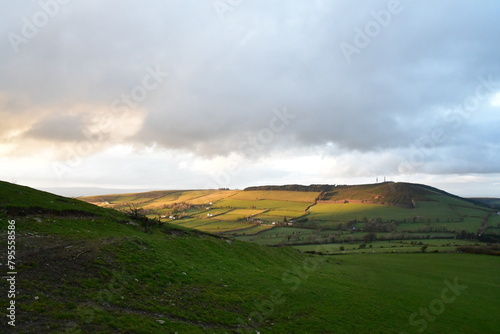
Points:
x=488 y=249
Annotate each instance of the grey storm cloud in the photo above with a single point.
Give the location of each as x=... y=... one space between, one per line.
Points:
x=59 y=128
x=412 y=63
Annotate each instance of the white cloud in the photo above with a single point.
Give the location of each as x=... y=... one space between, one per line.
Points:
x=495 y=100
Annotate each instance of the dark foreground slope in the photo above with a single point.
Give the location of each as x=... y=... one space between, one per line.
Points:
x=83 y=269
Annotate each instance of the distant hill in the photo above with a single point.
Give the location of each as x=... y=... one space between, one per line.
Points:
x=293 y=187
x=321 y=214
x=493 y=203
x=396 y=194
x=388 y=193
x=89 y=191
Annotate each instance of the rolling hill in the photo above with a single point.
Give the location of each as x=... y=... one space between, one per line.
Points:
x=301 y=215
x=85 y=269
x=493 y=203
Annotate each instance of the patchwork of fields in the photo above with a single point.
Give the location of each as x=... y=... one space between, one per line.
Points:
x=299 y=218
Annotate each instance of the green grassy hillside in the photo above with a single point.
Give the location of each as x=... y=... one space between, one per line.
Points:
x=21 y=200
x=96 y=271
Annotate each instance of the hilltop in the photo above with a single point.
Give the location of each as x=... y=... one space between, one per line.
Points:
x=399 y=194
x=86 y=269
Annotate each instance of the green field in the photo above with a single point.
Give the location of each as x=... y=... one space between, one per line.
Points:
x=349 y=211
x=224 y=226
x=469 y=225
x=253 y=230
x=283 y=235
x=214 y=226
x=288 y=214
x=495 y=220
x=279 y=216
x=407 y=246
x=239 y=214
x=293 y=196
x=263 y=204
x=210 y=213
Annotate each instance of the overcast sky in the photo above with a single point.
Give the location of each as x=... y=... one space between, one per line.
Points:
x=184 y=94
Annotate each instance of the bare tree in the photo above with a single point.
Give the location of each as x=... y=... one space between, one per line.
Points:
x=135 y=211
